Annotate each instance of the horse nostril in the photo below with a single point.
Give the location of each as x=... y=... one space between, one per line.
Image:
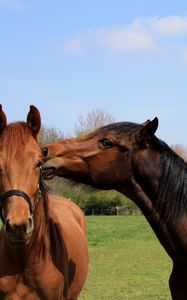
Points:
x=8 y=226
x=45 y=152
x=29 y=225
x=19 y=230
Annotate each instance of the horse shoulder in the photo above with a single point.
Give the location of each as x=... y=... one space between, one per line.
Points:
x=67 y=212
x=68 y=237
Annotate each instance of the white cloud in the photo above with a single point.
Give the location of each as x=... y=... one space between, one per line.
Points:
x=171 y=25
x=121 y=39
x=165 y=36
x=73 y=46
x=126 y=40
x=17 y=5
x=76 y=44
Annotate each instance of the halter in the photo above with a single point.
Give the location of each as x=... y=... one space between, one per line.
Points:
x=15 y=192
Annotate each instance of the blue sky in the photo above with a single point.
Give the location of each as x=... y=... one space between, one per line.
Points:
x=69 y=57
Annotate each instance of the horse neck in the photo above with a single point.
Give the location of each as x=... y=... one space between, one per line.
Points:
x=145 y=204
x=162 y=196
x=161 y=177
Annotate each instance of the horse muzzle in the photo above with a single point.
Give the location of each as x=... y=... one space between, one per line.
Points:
x=19 y=234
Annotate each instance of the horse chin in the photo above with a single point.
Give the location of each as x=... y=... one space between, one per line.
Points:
x=19 y=241
x=48 y=173
x=22 y=242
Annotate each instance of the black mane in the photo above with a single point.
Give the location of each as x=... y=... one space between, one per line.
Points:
x=119 y=128
x=171 y=200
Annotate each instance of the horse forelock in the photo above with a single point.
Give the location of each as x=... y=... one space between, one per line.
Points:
x=14 y=138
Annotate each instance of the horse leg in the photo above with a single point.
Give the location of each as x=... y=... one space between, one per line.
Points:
x=178 y=283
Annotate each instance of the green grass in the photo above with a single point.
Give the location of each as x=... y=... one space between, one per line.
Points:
x=126 y=261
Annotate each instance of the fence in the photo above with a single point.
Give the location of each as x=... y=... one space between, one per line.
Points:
x=111 y=211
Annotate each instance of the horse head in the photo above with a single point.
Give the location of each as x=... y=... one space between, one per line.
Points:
x=104 y=158
x=20 y=161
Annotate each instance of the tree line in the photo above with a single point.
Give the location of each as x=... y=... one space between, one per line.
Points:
x=90 y=200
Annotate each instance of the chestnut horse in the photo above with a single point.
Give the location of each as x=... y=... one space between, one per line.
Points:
x=43 y=249
x=128 y=157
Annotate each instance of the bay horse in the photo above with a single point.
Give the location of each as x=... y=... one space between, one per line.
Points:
x=43 y=247
x=129 y=158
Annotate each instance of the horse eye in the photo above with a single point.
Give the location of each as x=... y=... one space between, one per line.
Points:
x=106 y=143
x=45 y=152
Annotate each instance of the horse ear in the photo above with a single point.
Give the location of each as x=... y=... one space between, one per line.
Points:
x=34 y=120
x=3 y=121
x=147 y=130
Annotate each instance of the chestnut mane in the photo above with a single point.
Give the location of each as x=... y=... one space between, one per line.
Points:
x=13 y=139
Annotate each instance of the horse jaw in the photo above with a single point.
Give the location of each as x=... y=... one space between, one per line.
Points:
x=76 y=169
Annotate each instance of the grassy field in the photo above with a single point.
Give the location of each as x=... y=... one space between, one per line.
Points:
x=126 y=261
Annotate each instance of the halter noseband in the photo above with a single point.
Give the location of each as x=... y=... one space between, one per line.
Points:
x=15 y=192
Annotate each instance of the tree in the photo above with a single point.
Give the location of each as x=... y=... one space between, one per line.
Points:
x=49 y=135
x=95 y=119
x=180 y=150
